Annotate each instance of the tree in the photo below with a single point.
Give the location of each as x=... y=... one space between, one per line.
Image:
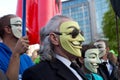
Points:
x=109 y=27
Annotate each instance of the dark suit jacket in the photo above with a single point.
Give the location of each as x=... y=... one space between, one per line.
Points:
x=103 y=72
x=49 y=70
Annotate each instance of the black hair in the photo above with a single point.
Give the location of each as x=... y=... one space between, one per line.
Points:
x=85 y=47
x=5 y=21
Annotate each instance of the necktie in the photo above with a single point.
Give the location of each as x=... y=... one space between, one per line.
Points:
x=104 y=63
x=77 y=69
x=106 y=69
x=75 y=66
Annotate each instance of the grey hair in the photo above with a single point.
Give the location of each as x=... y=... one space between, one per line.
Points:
x=47 y=48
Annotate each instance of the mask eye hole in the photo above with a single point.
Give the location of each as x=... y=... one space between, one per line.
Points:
x=74 y=33
x=17 y=24
x=99 y=46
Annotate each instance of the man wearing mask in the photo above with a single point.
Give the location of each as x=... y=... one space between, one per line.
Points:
x=13 y=61
x=91 y=62
x=107 y=68
x=62 y=41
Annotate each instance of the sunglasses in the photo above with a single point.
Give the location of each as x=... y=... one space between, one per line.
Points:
x=74 y=33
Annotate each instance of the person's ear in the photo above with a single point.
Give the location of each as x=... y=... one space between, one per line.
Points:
x=54 y=38
x=7 y=29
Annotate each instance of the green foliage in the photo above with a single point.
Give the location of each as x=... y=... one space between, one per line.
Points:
x=109 y=27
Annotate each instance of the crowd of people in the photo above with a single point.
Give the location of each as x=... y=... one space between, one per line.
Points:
x=59 y=56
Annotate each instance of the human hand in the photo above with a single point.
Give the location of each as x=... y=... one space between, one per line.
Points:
x=21 y=45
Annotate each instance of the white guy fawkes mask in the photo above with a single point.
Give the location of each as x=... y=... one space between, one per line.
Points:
x=16 y=26
x=92 y=60
x=102 y=48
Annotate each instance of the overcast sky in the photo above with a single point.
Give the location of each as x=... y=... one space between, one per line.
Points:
x=7 y=7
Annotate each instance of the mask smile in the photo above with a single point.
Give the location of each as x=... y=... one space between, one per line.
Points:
x=95 y=66
x=76 y=44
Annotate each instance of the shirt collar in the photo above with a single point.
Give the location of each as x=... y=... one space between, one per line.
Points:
x=104 y=60
x=63 y=60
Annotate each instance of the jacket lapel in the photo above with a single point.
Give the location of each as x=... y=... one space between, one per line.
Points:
x=114 y=69
x=62 y=70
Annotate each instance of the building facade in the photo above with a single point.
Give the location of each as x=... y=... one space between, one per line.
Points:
x=84 y=12
x=101 y=8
